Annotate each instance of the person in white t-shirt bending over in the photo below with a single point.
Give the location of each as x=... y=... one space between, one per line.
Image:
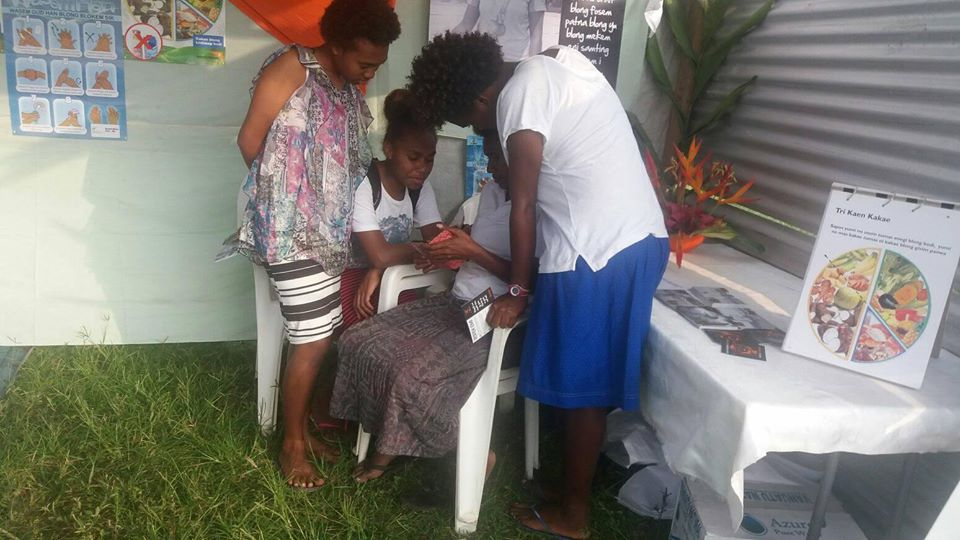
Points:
x=573 y=157
x=517 y=25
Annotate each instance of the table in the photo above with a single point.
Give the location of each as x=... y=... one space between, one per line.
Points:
x=716 y=414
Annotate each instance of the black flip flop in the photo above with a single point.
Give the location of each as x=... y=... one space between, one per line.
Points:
x=546 y=530
x=365 y=467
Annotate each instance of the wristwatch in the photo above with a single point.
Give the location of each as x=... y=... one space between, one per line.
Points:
x=518 y=291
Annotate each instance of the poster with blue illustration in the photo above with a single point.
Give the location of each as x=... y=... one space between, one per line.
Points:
x=476 y=175
x=65 y=68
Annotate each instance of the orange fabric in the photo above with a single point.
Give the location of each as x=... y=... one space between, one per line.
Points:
x=290 y=21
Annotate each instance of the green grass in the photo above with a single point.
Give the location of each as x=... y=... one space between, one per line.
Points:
x=161 y=441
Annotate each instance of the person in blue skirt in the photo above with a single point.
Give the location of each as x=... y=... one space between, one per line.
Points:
x=576 y=173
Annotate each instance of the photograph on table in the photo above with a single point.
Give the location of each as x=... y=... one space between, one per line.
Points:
x=744 y=349
x=709 y=296
x=705 y=317
x=673 y=298
x=744 y=317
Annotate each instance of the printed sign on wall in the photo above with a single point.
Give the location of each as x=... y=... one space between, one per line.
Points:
x=175 y=31
x=595 y=27
x=64 y=68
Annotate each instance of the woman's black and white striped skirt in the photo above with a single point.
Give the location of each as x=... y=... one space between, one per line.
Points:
x=309 y=300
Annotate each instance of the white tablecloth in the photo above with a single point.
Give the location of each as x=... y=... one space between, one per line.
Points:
x=716 y=414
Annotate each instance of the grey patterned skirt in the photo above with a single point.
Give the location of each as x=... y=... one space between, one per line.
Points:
x=405 y=374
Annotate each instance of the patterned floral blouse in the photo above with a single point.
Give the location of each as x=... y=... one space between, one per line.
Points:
x=302 y=185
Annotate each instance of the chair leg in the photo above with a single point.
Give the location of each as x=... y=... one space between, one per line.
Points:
x=531 y=436
x=363 y=444
x=476 y=423
x=269 y=350
x=506 y=402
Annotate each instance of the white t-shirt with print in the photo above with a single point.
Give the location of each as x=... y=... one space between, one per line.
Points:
x=509 y=22
x=593 y=195
x=396 y=219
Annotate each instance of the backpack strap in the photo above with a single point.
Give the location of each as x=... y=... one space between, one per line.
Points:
x=376 y=187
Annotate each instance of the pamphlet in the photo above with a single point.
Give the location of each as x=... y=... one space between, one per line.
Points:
x=475 y=312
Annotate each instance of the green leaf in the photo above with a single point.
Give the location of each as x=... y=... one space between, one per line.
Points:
x=725 y=106
x=643 y=139
x=654 y=60
x=746 y=244
x=714 y=14
x=717 y=54
x=720 y=230
x=675 y=10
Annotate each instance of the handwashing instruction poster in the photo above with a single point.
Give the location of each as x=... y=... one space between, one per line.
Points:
x=877 y=284
x=65 y=68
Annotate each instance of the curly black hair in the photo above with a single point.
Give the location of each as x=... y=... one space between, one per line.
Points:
x=347 y=20
x=400 y=110
x=451 y=71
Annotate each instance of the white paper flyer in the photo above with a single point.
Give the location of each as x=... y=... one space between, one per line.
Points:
x=877 y=284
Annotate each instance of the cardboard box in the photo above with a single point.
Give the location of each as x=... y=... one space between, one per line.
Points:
x=770 y=511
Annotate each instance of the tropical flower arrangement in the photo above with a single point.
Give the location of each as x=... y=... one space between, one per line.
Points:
x=692 y=190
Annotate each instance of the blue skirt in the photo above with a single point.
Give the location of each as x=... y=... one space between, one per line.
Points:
x=586 y=332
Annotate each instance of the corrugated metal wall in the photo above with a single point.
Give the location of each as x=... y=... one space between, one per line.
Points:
x=865 y=92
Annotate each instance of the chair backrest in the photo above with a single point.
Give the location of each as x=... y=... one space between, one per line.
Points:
x=405 y=277
x=467 y=213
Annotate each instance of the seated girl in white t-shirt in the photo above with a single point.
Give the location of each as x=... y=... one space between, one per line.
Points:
x=406 y=373
x=394 y=198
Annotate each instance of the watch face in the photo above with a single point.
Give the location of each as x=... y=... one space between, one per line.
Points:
x=514 y=290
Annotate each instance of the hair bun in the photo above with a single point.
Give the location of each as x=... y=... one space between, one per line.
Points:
x=398 y=107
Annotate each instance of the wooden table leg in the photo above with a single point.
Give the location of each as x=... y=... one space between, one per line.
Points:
x=826 y=486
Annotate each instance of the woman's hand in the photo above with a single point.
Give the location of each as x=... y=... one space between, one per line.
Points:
x=460 y=246
x=506 y=310
x=423 y=263
x=363 y=302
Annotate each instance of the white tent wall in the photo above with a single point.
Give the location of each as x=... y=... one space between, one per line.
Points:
x=113 y=242
x=864 y=92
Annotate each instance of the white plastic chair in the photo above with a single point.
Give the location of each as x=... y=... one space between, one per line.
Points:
x=270 y=336
x=476 y=415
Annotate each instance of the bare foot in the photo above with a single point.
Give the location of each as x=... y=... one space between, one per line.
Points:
x=372 y=468
x=321 y=450
x=553 y=519
x=296 y=470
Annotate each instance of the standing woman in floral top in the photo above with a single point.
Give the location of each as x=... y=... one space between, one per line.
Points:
x=305 y=142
